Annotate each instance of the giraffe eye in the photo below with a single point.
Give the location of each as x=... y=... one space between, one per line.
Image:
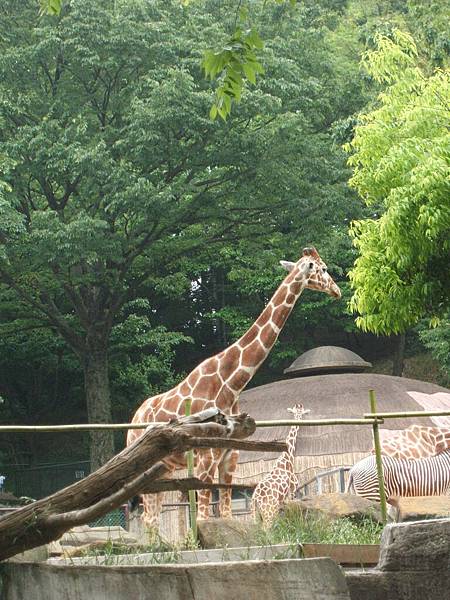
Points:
x=311 y=265
x=324 y=270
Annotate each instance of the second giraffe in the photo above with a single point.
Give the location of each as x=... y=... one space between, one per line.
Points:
x=281 y=483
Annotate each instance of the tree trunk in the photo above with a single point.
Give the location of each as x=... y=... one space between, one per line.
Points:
x=130 y=472
x=398 y=361
x=98 y=400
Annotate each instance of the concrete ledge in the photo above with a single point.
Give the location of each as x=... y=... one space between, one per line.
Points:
x=419 y=545
x=344 y=554
x=296 y=579
x=188 y=557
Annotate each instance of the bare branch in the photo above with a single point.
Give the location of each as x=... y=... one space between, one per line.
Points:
x=127 y=473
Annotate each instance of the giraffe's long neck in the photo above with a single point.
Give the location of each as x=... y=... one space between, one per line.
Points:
x=249 y=352
x=222 y=377
x=291 y=442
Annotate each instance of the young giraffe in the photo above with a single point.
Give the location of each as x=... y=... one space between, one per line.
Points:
x=218 y=381
x=281 y=483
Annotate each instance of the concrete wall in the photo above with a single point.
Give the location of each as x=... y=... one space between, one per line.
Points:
x=298 y=579
x=414 y=565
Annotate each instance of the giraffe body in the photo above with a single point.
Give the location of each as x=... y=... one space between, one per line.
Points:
x=218 y=381
x=416 y=442
x=281 y=483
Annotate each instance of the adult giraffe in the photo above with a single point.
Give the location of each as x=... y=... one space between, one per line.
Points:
x=218 y=381
x=417 y=441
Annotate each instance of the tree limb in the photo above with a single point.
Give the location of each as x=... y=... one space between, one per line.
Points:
x=127 y=473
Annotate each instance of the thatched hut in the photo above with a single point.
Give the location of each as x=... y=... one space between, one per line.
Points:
x=329 y=381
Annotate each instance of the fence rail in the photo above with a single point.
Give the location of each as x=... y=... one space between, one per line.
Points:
x=317 y=479
x=369 y=419
x=113 y=426
x=373 y=418
x=406 y=415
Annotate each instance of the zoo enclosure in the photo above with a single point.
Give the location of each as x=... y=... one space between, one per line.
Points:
x=373 y=418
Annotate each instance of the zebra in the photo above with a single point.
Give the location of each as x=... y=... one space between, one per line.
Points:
x=428 y=476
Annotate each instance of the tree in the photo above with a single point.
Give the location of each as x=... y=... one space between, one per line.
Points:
x=235 y=62
x=118 y=178
x=400 y=157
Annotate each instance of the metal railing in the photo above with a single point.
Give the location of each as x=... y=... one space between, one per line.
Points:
x=303 y=489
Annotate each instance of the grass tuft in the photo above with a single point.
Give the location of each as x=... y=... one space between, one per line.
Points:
x=312 y=528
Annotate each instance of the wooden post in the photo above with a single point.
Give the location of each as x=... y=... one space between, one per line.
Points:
x=376 y=441
x=190 y=471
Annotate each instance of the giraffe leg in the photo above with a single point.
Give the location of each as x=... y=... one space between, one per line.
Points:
x=150 y=517
x=227 y=467
x=205 y=469
x=267 y=514
x=152 y=511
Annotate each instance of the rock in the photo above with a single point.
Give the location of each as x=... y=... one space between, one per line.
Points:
x=230 y=533
x=79 y=536
x=336 y=506
x=421 y=545
x=55 y=548
x=414 y=564
x=420 y=507
x=8 y=499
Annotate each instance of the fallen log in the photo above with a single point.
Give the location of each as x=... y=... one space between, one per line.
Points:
x=130 y=472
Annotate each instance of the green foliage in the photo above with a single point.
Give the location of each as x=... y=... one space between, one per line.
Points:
x=119 y=188
x=142 y=356
x=400 y=154
x=428 y=21
x=437 y=340
x=50 y=7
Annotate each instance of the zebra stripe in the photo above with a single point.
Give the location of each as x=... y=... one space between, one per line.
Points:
x=419 y=477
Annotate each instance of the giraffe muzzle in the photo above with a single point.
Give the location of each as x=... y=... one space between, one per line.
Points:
x=335 y=292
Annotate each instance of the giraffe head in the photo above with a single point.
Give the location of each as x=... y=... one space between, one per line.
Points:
x=312 y=272
x=298 y=411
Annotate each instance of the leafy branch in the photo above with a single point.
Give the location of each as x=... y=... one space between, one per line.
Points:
x=232 y=65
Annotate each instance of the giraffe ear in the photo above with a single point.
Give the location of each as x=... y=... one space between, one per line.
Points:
x=286 y=264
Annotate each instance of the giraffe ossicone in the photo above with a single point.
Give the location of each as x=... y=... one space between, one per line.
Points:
x=281 y=483
x=218 y=381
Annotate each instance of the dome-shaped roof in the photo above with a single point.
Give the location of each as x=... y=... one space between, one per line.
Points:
x=327 y=359
x=338 y=396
